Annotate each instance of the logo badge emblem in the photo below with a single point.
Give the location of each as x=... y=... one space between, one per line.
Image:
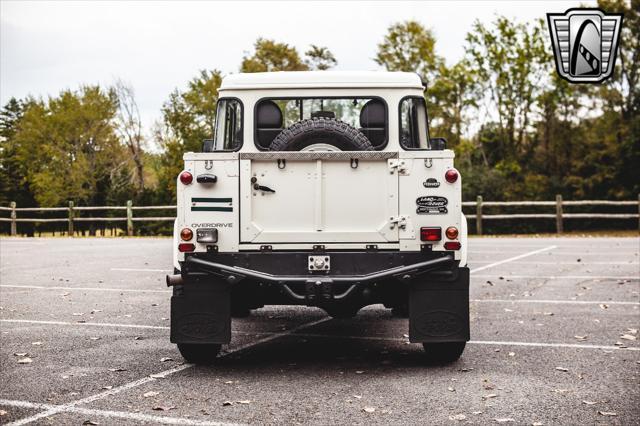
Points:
x=585 y=42
x=431 y=183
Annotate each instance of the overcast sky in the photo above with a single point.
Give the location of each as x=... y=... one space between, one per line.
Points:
x=46 y=47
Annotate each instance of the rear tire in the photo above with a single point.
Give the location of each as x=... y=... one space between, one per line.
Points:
x=443 y=353
x=199 y=353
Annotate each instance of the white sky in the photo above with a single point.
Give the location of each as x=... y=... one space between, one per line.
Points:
x=46 y=47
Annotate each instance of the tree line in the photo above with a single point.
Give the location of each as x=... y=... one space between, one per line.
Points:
x=519 y=131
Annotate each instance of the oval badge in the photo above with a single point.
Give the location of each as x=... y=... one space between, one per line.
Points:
x=432 y=201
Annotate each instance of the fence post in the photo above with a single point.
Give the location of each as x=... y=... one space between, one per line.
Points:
x=559 y=228
x=129 y=218
x=639 y=212
x=479 y=215
x=13 y=218
x=71 y=215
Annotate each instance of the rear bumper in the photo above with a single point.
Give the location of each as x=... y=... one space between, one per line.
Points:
x=433 y=286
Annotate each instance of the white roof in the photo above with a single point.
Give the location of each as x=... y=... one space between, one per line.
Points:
x=321 y=80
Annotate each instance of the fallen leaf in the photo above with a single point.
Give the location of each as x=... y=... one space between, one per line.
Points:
x=94 y=338
x=368 y=409
x=491 y=395
x=450 y=389
x=359 y=372
x=581 y=338
x=90 y=423
x=165 y=359
x=225 y=403
x=3 y=413
x=118 y=369
x=357 y=396
x=537 y=424
x=150 y=394
x=466 y=369
x=20 y=354
x=458 y=417
x=505 y=420
x=138 y=338
x=163 y=408
x=36 y=343
x=476 y=412
x=25 y=360
x=628 y=337
x=512 y=354
x=607 y=413
x=549 y=314
x=228 y=382
x=77 y=314
x=561 y=390
x=562 y=369
x=244 y=401
x=589 y=402
x=508 y=310
x=633 y=331
x=107 y=387
x=604 y=306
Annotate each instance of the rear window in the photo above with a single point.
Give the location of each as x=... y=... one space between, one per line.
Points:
x=228 y=130
x=366 y=114
x=414 y=133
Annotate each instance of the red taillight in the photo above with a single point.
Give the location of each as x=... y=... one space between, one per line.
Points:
x=451 y=232
x=451 y=175
x=186 y=234
x=182 y=247
x=186 y=178
x=430 y=234
x=452 y=245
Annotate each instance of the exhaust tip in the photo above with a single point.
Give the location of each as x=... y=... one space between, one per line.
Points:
x=174 y=280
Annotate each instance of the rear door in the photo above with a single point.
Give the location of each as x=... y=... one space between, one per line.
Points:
x=319 y=197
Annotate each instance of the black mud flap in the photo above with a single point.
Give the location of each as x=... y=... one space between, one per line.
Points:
x=439 y=308
x=201 y=314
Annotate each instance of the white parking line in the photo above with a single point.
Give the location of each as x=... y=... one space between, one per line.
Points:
x=533 y=262
x=42 y=287
x=555 y=302
x=111 y=414
x=89 y=324
x=556 y=277
x=69 y=407
x=511 y=259
x=140 y=270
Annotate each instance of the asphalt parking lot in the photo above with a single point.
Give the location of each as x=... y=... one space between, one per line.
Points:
x=554 y=326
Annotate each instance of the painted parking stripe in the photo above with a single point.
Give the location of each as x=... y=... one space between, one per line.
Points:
x=556 y=302
x=533 y=262
x=89 y=324
x=557 y=277
x=72 y=405
x=293 y=332
x=167 y=420
x=42 y=287
x=139 y=270
x=511 y=259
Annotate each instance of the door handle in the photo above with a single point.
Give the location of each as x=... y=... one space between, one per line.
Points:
x=262 y=188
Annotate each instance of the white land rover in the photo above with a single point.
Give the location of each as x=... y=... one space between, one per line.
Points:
x=320 y=189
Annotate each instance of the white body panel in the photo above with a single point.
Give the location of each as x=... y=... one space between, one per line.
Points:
x=319 y=201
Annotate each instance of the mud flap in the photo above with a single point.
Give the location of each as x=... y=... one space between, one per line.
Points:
x=439 y=309
x=201 y=313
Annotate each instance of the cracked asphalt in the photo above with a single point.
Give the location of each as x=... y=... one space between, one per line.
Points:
x=84 y=337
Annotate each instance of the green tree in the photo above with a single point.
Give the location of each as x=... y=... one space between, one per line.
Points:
x=69 y=148
x=188 y=119
x=320 y=58
x=13 y=183
x=269 y=55
x=510 y=61
x=409 y=46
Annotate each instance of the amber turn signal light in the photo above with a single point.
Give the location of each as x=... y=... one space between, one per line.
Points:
x=186 y=234
x=452 y=232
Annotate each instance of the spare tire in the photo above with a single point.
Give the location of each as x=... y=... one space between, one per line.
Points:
x=321 y=132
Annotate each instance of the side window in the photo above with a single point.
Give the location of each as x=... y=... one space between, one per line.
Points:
x=228 y=130
x=413 y=124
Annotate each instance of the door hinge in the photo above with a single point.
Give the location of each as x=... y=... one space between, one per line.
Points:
x=399 y=221
x=398 y=164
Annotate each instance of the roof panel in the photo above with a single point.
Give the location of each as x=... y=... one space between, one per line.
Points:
x=320 y=79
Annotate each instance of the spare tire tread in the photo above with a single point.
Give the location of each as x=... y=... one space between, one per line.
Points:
x=349 y=136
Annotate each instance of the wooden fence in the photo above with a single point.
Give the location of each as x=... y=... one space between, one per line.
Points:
x=559 y=215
